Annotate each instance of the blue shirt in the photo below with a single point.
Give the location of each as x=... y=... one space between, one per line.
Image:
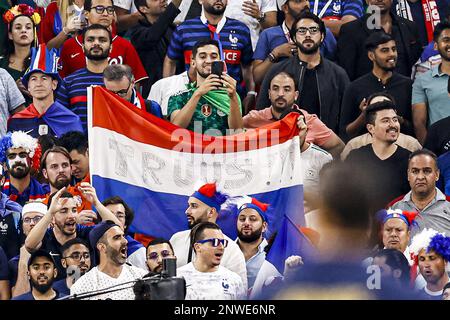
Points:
x=254 y=263
x=34 y=191
x=338 y=8
x=3 y=265
x=273 y=37
x=431 y=88
x=444 y=177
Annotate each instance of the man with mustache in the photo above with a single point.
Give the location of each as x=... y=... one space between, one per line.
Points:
x=424 y=197
x=62 y=214
x=97 y=46
x=77 y=261
x=383 y=158
x=321 y=82
x=382 y=52
x=110 y=247
x=42 y=272
x=430 y=101
x=251 y=224
x=157 y=250
x=17 y=155
x=206 y=277
x=204 y=206
x=275 y=45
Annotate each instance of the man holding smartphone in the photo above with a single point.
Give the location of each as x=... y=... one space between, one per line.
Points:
x=210 y=105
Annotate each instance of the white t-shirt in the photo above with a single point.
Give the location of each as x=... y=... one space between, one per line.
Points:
x=222 y=284
x=138 y=258
x=163 y=89
x=234 y=11
x=96 y=280
x=232 y=259
x=313 y=159
x=265 y=276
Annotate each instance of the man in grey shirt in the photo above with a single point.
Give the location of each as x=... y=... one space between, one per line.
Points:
x=11 y=100
x=424 y=197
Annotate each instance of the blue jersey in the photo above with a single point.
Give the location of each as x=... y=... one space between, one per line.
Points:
x=234 y=37
x=336 y=9
x=73 y=92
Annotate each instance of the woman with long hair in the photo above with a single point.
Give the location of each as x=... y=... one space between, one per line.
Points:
x=22 y=21
x=63 y=19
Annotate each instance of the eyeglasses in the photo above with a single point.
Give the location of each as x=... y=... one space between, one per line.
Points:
x=12 y=156
x=312 y=30
x=122 y=92
x=77 y=255
x=35 y=220
x=215 y=242
x=101 y=9
x=154 y=255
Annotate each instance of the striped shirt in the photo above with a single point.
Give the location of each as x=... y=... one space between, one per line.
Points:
x=234 y=36
x=336 y=9
x=73 y=92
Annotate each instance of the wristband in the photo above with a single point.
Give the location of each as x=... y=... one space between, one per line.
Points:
x=272 y=58
x=253 y=93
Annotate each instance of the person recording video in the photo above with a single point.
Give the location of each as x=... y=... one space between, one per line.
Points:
x=212 y=100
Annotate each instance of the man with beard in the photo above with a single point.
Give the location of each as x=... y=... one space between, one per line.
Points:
x=431 y=252
x=203 y=103
x=77 y=144
x=77 y=261
x=275 y=45
x=321 y=82
x=233 y=36
x=17 y=155
x=430 y=101
x=383 y=158
x=110 y=245
x=206 y=277
x=424 y=197
x=382 y=51
x=41 y=273
x=204 y=206
x=73 y=55
x=283 y=95
x=45 y=115
x=352 y=54
x=62 y=214
x=251 y=224
x=97 y=41
x=157 y=250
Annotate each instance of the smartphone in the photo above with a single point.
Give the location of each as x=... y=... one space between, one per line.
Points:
x=217 y=67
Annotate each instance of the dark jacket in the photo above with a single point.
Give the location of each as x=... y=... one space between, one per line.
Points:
x=151 y=42
x=331 y=82
x=352 y=54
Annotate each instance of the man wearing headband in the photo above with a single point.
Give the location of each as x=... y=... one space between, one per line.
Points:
x=431 y=252
x=19 y=153
x=110 y=247
x=251 y=224
x=204 y=206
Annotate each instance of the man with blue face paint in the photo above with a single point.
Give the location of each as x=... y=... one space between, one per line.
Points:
x=18 y=156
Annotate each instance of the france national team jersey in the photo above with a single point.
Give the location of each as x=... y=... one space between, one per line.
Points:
x=234 y=37
x=336 y=9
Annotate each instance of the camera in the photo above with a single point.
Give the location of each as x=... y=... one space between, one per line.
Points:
x=161 y=286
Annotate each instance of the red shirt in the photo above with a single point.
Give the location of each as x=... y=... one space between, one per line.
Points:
x=47 y=23
x=123 y=52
